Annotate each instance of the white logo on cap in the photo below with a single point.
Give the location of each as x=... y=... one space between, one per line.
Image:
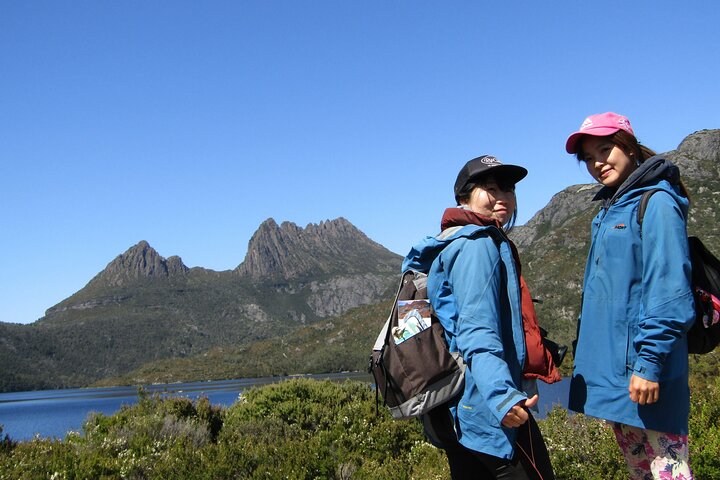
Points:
x=490 y=161
x=586 y=124
x=624 y=124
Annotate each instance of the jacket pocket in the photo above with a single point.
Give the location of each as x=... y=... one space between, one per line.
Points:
x=420 y=361
x=630 y=354
x=621 y=344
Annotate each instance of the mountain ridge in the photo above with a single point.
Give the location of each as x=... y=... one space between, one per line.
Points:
x=287 y=251
x=149 y=314
x=143 y=307
x=553 y=249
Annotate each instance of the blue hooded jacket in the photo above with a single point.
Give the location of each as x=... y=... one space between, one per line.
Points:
x=474 y=289
x=637 y=304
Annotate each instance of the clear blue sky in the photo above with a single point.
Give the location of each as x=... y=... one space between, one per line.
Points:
x=187 y=124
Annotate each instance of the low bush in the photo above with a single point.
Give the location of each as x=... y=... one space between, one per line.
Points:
x=705 y=429
x=337 y=422
x=306 y=429
x=581 y=448
x=6 y=445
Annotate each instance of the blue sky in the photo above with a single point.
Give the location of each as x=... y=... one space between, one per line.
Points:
x=187 y=124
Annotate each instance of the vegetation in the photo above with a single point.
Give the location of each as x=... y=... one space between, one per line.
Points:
x=296 y=429
x=307 y=429
x=216 y=325
x=133 y=349
x=336 y=345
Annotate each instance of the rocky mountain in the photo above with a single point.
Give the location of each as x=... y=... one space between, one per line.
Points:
x=288 y=252
x=140 y=261
x=288 y=307
x=553 y=244
x=144 y=307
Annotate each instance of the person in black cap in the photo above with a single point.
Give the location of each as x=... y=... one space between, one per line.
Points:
x=487 y=185
x=485 y=308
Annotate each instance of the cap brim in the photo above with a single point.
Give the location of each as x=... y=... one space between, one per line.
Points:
x=571 y=145
x=513 y=173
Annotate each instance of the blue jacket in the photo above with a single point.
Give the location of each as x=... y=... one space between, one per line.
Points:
x=474 y=289
x=637 y=305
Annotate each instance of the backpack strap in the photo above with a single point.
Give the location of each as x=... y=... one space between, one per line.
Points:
x=644 y=200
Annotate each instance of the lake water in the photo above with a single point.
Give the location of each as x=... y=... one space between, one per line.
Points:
x=52 y=413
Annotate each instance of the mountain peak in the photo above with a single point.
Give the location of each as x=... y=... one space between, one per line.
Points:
x=139 y=261
x=287 y=251
x=698 y=155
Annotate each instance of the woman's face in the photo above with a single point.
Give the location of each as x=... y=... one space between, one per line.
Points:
x=490 y=200
x=606 y=162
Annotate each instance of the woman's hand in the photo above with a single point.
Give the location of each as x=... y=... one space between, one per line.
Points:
x=517 y=414
x=643 y=392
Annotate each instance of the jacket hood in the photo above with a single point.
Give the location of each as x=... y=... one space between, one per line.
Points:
x=423 y=254
x=463 y=215
x=651 y=172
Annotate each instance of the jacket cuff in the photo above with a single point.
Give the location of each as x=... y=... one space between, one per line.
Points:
x=647 y=370
x=506 y=405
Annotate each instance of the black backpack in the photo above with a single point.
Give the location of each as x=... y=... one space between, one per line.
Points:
x=418 y=376
x=704 y=335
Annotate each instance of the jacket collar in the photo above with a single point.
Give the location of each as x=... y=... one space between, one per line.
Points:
x=461 y=216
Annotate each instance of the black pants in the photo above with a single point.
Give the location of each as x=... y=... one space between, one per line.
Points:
x=530 y=462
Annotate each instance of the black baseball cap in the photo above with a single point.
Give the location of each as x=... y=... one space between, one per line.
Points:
x=485 y=165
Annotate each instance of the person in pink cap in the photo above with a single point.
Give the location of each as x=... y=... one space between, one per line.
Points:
x=631 y=356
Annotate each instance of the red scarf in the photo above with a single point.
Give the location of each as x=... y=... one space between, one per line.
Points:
x=538 y=361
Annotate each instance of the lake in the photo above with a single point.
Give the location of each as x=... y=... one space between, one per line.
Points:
x=52 y=413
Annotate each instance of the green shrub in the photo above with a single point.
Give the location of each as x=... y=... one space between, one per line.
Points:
x=582 y=448
x=6 y=445
x=705 y=429
x=305 y=429
x=337 y=422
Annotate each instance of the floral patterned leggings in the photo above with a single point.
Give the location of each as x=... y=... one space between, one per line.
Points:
x=652 y=455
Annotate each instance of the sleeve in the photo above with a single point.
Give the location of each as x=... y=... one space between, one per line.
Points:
x=477 y=282
x=667 y=307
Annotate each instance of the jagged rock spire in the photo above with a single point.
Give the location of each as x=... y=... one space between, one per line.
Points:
x=139 y=261
x=288 y=251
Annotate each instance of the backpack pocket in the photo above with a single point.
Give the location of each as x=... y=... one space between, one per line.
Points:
x=413 y=368
x=419 y=361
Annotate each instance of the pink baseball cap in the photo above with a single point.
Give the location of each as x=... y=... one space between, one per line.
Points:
x=599 y=125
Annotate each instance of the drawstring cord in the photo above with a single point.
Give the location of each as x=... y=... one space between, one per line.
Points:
x=531 y=457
